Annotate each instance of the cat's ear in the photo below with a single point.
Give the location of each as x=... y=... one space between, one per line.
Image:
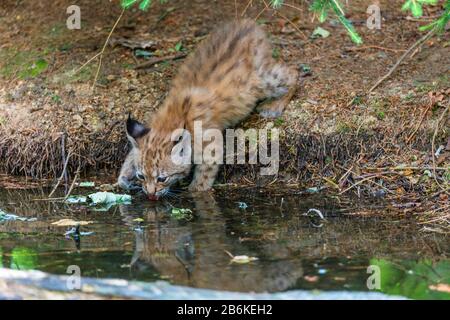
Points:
x=135 y=130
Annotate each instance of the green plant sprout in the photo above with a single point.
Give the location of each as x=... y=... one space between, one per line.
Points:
x=322 y=8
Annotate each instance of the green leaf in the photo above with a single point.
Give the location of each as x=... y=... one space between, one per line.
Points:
x=144 y=5
x=181 y=213
x=34 y=69
x=416 y=9
x=178 y=46
x=323 y=15
x=430 y=2
x=321 y=8
x=276 y=4
x=345 y=22
x=441 y=22
x=128 y=3
x=406 y=5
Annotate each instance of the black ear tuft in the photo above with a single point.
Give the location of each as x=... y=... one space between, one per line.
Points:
x=135 y=129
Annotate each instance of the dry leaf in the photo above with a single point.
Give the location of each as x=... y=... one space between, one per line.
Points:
x=70 y=223
x=243 y=259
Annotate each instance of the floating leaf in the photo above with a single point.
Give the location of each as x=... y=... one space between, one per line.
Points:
x=12 y=217
x=242 y=259
x=87 y=184
x=75 y=232
x=76 y=199
x=108 y=197
x=70 y=223
x=181 y=213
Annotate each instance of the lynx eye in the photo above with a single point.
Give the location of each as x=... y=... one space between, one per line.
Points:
x=140 y=176
x=178 y=140
x=162 y=179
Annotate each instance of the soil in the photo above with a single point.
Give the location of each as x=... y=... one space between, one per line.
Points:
x=333 y=134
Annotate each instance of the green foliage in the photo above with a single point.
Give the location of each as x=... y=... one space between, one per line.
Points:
x=414 y=279
x=181 y=214
x=441 y=22
x=322 y=7
x=415 y=6
x=276 y=4
x=276 y=53
x=23 y=259
x=143 y=4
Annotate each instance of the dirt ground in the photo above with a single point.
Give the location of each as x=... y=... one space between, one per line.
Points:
x=333 y=134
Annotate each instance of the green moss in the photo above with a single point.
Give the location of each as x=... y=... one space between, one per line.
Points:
x=381 y=115
x=276 y=53
x=344 y=127
x=24 y=64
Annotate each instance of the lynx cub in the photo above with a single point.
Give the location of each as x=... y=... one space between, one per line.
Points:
x=219 y=84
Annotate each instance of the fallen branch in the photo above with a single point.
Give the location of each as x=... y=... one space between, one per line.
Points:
x=373 y=47
x=405 y=168
x=73 y=184
x=420 y=123
x=155 y=60
x=104 y=47
x=61 y=177
x=399 y=61
x=433 y=155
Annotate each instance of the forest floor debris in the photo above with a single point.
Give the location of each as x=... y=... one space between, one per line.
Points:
x=334 y=135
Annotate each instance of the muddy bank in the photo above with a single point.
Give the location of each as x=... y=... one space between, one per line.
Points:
x=332 y=135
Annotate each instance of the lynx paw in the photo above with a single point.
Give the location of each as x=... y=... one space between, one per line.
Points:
x=199 y=187
x=270 y=114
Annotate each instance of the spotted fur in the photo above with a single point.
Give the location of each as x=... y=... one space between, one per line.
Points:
x=220 y=85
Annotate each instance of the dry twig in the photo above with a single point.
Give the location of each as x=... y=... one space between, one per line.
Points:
x=417 y=44
x=104 y=47
x=155 y=60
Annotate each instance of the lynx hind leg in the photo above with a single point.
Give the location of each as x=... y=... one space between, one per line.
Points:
x=204 y=177
x=127 y=176
x=279 y=85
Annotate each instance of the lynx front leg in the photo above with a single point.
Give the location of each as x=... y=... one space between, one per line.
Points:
x=280 y=85
x=127 y=177
x=204 y=177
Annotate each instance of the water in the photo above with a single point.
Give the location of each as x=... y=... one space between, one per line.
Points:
x=144 y=241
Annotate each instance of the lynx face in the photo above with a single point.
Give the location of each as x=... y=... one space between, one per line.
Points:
x=156 y=159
